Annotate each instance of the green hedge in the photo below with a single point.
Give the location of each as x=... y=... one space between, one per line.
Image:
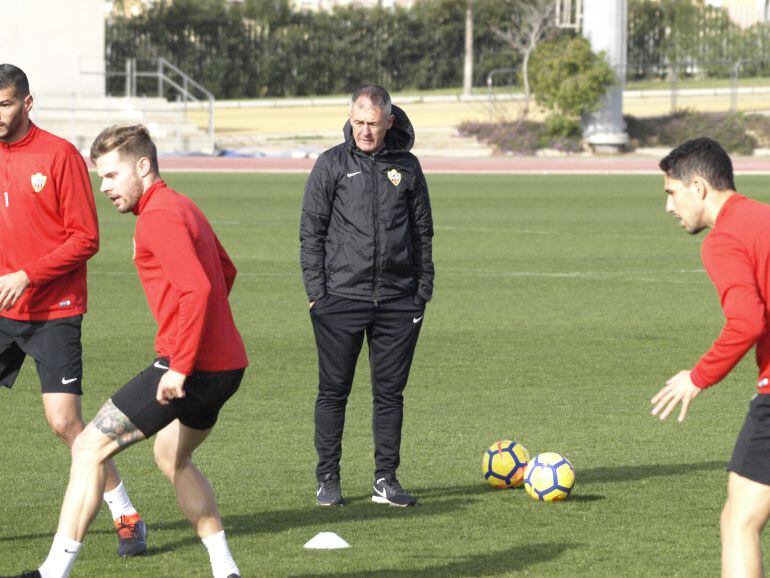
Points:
x=261 y=48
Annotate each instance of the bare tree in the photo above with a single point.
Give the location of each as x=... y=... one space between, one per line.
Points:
x=468 y=68
x=536 y=22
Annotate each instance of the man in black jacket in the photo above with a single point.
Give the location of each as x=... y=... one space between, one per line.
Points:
x=366 y=254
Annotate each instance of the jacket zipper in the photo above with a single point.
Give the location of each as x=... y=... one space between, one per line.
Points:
x=6 y=173
x=375 y=212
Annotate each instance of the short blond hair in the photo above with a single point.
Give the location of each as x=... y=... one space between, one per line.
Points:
x=132 y=141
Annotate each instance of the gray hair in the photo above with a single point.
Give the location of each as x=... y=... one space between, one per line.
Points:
x=376 y=94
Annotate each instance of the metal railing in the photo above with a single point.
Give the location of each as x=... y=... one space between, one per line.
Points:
x=672 y=75
x=490 y=84
x=184 y=87
x=734 y=81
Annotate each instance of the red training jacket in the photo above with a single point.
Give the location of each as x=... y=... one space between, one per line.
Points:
x=48 y=224
x=187 y=276
x=736 y=255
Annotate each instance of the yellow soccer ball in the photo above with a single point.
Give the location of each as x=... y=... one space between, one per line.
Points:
x=549 y=478
x=503 y=464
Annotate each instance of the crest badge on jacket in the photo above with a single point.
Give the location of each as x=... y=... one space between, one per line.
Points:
x=38 y=181
x=394 y=176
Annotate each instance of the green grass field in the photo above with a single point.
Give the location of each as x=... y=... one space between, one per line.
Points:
x=562 y=304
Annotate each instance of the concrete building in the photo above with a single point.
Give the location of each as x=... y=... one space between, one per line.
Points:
x=745 y=13
x=60 y=45
x=320 y=5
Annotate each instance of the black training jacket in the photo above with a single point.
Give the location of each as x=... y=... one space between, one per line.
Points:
x=366 y=227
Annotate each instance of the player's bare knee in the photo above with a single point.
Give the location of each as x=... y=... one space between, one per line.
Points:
x=737 y=519
x=163 y=463
x=90 y=447
x=168 y=461
x=65 y=427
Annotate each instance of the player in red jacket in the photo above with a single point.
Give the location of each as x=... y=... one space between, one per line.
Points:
x=187 y=277
x=48 y=230
x=736 y=255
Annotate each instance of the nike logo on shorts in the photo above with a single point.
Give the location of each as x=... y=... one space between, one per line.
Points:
x=417 y=319
x=65 y=381
x=354 y=174
x=159 y=365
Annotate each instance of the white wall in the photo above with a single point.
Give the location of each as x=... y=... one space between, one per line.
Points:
x=57 y=43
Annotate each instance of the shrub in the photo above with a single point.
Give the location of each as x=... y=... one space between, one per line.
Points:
x=568 y=78
x=526 y=137
x=729 y=129
x=759 y=128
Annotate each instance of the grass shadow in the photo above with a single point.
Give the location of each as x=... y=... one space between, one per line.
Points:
x=635 y=473
x=491 y=563
x=578 y=497
x=311 y=515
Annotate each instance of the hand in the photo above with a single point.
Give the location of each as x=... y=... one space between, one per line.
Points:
x=170 y=386
x=12 y=286
x=678 y=388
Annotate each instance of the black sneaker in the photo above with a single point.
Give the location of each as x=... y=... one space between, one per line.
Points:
x=328 y=492
x=132 y=535
x=387 y=490
x=28 y=574
x=233 y=576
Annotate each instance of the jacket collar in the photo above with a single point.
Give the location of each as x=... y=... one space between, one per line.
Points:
x=25 y=140
x=146 y=195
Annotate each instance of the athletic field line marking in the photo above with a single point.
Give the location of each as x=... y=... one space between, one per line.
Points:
x=628 y=274
x=514 y=230
x=241 y=273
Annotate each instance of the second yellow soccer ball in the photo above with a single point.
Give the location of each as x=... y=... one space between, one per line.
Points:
x=549 y=478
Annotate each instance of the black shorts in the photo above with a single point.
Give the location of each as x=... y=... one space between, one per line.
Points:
x=751 y=456
x=205 y=394
x=54 y=345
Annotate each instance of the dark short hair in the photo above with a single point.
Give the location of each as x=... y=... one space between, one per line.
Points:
x=132 y=141
x=14 y=76
x=377 y=94
x=701 y=157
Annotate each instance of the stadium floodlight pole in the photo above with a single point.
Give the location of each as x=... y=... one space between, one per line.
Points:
x=605 y=25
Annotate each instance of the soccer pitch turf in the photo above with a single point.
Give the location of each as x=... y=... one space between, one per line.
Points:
x=562 y=304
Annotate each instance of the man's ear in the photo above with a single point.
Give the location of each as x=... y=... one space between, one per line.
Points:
x=701 y=186
x=28 y=100
x=143 y=167
x=391 y=119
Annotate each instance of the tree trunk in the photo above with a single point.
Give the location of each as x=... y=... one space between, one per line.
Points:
x=525 y=79
x=468 y=68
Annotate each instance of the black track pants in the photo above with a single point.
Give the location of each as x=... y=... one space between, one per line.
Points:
x=391 y=330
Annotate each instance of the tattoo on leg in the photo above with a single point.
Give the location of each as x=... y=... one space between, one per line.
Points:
x=115 y=425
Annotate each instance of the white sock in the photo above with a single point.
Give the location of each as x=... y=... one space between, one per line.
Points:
x=119 y=502
x=61 y=558
x=222 y=563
